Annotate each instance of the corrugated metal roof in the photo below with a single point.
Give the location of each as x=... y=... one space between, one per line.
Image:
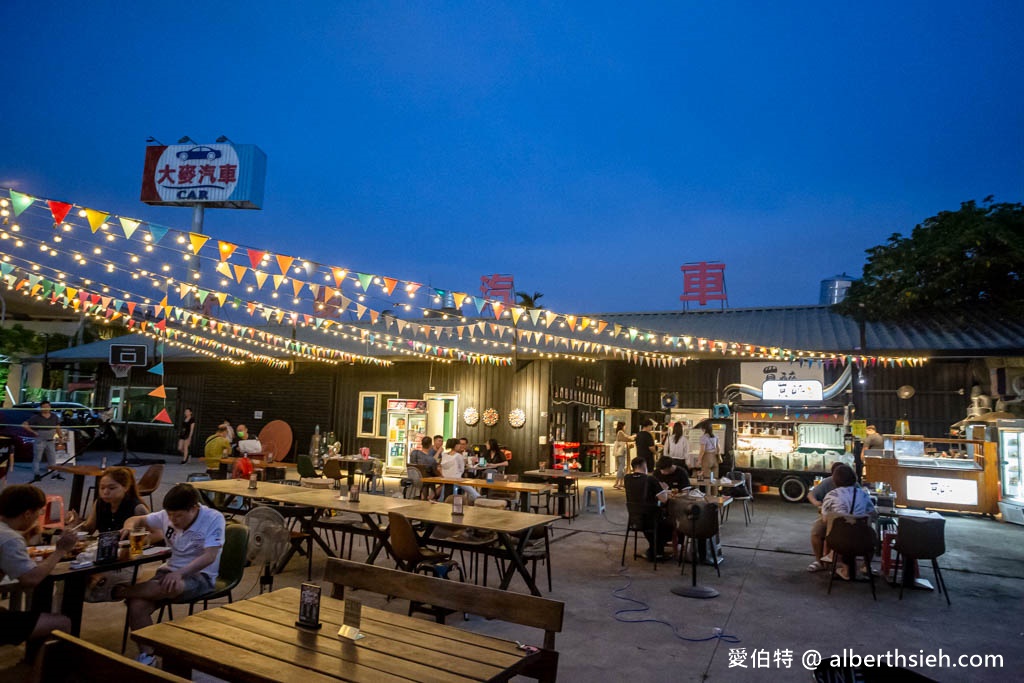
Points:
x=819 y=328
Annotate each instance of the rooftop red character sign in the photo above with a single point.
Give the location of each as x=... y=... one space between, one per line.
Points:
x=497 y=287
x=703 y=282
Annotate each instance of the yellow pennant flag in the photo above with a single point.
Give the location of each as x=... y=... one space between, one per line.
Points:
x=459 y=297
x=96 y=218
x=261 y=277
x=297 y=286
x=224 y=269
x=197 y=241
x=221 y=297
x=278 y=279
x=550 y=317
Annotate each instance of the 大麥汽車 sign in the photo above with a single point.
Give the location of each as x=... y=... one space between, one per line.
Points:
x=222 y=176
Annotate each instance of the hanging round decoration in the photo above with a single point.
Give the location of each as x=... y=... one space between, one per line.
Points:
x=517 y=418
x=490 y=417
x=471 y=416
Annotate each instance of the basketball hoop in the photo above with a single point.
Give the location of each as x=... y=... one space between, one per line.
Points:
x=120 y=370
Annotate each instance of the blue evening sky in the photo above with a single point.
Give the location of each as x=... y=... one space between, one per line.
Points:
x=588 y=148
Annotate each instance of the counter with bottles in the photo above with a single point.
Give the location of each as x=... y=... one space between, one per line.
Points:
x=945 y=474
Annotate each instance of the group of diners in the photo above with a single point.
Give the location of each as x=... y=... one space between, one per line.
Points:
x=449 y=459
x=194 y=534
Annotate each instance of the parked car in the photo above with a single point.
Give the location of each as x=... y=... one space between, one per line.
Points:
x=22 y=440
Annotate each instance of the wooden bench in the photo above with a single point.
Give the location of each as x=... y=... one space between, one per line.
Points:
x=66 y=659
x=516 y=608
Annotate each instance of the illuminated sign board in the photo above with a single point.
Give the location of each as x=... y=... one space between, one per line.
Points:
x=792 y=390
x=219 y=176
x=940 y=490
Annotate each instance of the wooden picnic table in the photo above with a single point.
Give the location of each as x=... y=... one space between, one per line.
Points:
x=256 y=641
x=523 y=488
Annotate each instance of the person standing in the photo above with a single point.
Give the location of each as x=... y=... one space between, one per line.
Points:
x=710 y=452
x=645 y=447
x=621 y=451
x=45 y=427
x=872 y=438
x=185 y=434
x=677 y=446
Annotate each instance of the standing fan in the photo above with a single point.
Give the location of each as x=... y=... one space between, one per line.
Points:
x=269 y=539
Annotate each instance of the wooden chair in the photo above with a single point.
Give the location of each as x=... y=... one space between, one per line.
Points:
x=491 y=603
x=276 y=438
x=150 y=482
x=411 y=556
x=66 y=658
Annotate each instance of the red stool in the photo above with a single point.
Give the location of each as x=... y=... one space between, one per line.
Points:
x=52 y=516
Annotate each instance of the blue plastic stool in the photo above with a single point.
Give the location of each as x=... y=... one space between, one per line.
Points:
x=599 y=498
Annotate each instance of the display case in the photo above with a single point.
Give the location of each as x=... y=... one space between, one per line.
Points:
x=947 y=474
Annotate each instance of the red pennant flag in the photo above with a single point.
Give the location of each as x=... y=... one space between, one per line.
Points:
x=162 y=416
x=59 y=210
x=255 y=257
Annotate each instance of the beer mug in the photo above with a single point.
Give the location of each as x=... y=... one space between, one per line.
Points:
x=137 y=540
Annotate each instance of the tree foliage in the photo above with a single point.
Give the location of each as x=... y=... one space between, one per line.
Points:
x=529 y=300
x=957 y=262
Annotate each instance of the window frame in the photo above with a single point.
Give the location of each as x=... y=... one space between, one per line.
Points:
x=380 y=411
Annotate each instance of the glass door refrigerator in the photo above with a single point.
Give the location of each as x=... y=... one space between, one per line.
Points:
x=407 y=424
x=1010 y=435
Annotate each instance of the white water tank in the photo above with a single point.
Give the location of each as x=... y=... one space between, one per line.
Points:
x=833 y=289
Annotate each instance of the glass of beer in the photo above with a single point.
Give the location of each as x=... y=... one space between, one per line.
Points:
x=138 y=538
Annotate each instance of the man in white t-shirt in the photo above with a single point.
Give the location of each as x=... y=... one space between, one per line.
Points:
x=195 y=535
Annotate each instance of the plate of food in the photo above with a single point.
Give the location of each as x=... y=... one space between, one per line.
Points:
x=41 y=552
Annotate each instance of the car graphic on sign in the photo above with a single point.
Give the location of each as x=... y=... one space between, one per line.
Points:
x=201 y=152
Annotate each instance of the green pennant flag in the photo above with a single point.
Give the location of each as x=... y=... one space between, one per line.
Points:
x=20 y=202
x=364 y=281
x=201 y=295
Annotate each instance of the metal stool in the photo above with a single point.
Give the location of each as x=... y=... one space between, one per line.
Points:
x=598 y=498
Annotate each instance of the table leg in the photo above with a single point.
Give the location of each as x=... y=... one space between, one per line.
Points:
x=74 y=599
x=75 y=499
x=524 y=501
x=515 y=556
x=381 y=539
x=563 y=488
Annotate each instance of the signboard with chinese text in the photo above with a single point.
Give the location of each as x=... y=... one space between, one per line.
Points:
x=703 y=282
x=759 y=375
x=498 y=287
x=942 y=490
x=406 y=404
x=220 y=176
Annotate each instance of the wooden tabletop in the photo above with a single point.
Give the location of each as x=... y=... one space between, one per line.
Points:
x=485 y=519
x=256 y=640
x=85 y=470
x=64 y=567
x=555 y=474
x=517 y=486
x=330 y=500
x=240 y=487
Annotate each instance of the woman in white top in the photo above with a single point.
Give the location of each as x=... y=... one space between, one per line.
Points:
x=677 y=446
x=709 y=452
x=621 y=450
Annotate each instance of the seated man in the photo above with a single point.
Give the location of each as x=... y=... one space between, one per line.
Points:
x=672 y=474
x=195 y=535
x=816 y=496
x=20 y=505
x=422 y=457
x=217 y=446
x=644 y=490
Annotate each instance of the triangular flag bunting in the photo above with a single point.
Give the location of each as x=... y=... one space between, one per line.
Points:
x=549 y=317
x=535 y=315
x=159 y=392
x=157 y=369
x=297 y=286
x=95 y=218
x=224 y=268
x=162 y=416
x=239 y=273
x=459 y=298
x=480 y=303
x=59 y=210
x=261 y=277
x=20 y=202
x=389 y=285
x=364 y=280
x=197 y=241
x=497 y=308
x=157 y=233
x=129 y=226
x=339 y=276
x=226 y=249
x=516 y=313
x=284 y=263
x=255 y=257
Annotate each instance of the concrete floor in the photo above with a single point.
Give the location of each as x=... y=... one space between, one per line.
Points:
x=768 y=602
